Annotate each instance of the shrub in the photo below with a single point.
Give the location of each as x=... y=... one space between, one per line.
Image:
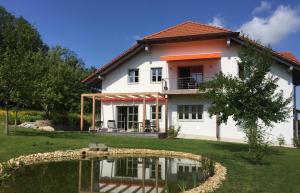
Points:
x=173 y=131
x=281 y=140
x=208 y=167
x=296 y=142
x=23 y=116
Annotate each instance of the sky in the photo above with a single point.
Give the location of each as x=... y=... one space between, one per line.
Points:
x=99 y=30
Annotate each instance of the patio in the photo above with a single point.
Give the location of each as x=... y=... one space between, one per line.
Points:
x=134 y=125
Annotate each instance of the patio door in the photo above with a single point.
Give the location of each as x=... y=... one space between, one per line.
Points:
x=127 y=117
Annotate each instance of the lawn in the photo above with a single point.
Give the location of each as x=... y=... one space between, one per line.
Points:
x=280 y=173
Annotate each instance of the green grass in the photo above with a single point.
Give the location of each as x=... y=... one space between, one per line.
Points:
x=280 y=172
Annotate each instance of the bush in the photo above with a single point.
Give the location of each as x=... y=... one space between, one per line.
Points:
x=281 y=140
x=68 y=121
x=23 y=116
x=173 y=131
x=208 y=167
x=296 y=142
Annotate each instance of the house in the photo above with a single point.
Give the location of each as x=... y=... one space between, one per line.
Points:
x=153 y=85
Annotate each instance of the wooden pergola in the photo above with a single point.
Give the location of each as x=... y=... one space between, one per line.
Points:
x=142 y=97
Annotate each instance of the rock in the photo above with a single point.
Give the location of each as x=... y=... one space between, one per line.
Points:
x=97 y=147
x=43 y=123
x=46 y=128
x=28 y=125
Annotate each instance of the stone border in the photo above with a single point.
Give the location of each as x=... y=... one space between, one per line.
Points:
x=211 y=184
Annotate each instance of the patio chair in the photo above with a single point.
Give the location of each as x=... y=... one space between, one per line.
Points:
x=147 y=126
x=153 y=126
x=98 y=126
x=111 y=125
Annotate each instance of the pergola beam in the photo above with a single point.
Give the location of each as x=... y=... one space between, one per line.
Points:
x=121 y=94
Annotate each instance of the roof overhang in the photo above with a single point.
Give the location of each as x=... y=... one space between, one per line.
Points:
x=189 y=38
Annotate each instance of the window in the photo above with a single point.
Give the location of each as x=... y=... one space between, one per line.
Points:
x=193 y=112
x=183 y=111
x=156 y=74
x=133 y=75
x=153 y=171
x=153 y=112
x=127 y=167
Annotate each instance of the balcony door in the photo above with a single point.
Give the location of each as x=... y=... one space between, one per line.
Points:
x=189 y=77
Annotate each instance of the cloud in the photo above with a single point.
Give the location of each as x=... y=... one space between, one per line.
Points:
x=136 y=37
x=263 y=7
x=217 y=21
x=271 y=30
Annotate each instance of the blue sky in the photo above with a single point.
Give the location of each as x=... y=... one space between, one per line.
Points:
x=99 y=30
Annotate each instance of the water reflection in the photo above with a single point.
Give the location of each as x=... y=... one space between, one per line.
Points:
x=131 y=174
x=115 y=175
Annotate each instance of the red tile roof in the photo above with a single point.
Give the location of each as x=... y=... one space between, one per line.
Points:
x=188 y=28
x=289 y=56
x=114 y=60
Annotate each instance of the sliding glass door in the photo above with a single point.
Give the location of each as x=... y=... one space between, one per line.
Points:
x=127 y=117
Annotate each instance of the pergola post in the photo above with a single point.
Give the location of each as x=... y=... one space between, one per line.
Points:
x=156 y=113
x=93 y=113
x=144 y=114
x=79 y=176
x=92 y=175
x=166 y=114
x=81 y=112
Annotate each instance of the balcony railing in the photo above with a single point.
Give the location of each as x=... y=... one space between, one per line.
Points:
x=183 y=83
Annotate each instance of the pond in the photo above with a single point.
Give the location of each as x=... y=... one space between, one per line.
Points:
x=107 y=174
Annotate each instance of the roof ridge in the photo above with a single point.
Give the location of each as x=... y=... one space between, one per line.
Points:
x=209 y=25
x=166 y=29
x=187 y=22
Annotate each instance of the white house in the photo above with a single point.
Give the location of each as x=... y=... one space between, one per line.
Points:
x=159 y=76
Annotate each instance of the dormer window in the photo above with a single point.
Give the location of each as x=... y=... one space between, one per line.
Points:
x=133 y=75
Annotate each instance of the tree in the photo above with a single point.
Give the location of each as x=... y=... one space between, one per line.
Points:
x=253 y=99
x=60 y=88
x=18 y=40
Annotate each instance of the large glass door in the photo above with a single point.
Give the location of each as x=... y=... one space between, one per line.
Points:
x=127 y=117
x=122 y=117
x=132 y=117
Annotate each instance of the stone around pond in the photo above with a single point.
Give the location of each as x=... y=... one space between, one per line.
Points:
x=97 y=147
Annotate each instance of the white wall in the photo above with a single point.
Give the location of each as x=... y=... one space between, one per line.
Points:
x=116 y=82
x=205 y=128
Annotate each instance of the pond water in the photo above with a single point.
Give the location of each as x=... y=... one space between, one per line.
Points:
x=117 y=175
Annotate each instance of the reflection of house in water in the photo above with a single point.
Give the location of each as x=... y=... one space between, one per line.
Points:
x=145 y=175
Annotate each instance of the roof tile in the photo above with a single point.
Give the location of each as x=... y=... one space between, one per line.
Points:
x=188 y=28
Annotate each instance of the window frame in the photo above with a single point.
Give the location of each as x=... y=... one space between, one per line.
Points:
x=134 y=77
x=195 y=111
x=156 y=75
x=154 y=112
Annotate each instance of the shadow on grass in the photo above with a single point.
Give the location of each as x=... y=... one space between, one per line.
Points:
x=67 y=135
x=241 y=152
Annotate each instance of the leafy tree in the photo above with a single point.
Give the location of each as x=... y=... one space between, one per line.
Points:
x=253 y=99
x=18 y=41
x=60 y=88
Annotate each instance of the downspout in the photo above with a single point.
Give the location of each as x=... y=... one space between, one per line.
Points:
x=295 y=111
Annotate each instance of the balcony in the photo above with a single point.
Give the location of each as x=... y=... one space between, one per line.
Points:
x=183 y=85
